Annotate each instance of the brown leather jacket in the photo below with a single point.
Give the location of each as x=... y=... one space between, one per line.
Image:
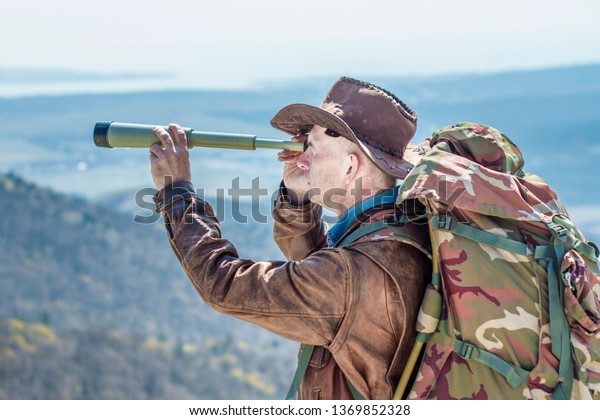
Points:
x=358 y=303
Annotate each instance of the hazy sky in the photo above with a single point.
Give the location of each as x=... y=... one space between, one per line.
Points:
x=226 y=42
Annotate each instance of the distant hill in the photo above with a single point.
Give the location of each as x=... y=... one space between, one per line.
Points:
x=551 y=114
x=34 y=75
x=77 y=274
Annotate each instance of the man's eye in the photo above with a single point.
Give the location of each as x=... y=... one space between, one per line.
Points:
x=329 y=132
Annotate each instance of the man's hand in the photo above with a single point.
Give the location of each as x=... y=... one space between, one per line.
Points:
x=170 y=160
x=294 y=177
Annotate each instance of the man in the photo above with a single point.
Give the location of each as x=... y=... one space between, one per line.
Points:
x=355 y=303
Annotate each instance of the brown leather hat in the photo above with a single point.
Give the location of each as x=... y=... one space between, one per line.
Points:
x=380 y=123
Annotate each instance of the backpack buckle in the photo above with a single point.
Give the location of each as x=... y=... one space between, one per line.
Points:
x=559 y=230
x=465 y=350
x=444 y=222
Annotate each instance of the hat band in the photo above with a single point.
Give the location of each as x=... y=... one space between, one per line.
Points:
x=379 y=146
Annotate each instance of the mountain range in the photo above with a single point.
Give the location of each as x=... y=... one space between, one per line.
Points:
x=94 y=305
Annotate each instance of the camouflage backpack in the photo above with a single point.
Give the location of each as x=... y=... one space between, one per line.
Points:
x=513 y=308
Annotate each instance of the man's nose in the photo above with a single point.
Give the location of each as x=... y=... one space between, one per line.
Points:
x=302 y=162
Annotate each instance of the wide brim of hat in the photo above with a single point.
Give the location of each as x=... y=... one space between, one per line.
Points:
x=296 y=117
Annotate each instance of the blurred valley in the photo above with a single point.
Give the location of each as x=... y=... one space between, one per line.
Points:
x=96 y=306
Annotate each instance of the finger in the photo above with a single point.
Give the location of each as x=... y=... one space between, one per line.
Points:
x=290 y=153
x=164 y=137
x=287 y=155
x=299 y=138
x=178 y=134
x=288 y=159
x=156 y=151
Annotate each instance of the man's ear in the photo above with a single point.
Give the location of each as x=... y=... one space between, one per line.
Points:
x=352 y=167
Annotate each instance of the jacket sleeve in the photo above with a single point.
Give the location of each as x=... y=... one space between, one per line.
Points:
x=294 y=299
x=298 y=228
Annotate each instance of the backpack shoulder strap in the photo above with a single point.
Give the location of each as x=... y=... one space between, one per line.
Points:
x=306 y=351
x=412 y=232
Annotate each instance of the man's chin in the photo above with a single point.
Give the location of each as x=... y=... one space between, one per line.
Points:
x=333 y=206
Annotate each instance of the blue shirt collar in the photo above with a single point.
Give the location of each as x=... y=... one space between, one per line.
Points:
x=337 y=230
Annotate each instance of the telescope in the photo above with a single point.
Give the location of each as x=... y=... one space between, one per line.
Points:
x=116 y=134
